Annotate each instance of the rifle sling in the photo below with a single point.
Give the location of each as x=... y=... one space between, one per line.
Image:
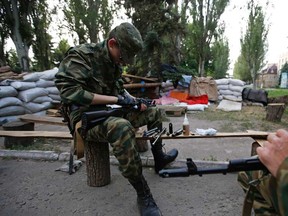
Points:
x=248 y=202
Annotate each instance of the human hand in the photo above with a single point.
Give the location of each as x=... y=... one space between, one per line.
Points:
x=125 y=100
x=274 y=150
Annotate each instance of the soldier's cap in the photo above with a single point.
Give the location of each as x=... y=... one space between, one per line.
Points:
x=129 y=40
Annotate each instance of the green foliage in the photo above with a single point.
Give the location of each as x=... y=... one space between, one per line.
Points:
x=276 y=92
x=13 y=61
x=59 y=52
x=19 y=27
x=42 y=42
x=220 y=58
x=190 y=56
x=284 y=67
x=91 y=20
x=205 y=18
x=4 y=34
x=158 y=23
x=241 y=70
x=254 y=42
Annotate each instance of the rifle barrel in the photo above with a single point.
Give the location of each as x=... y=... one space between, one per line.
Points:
x=236 y=165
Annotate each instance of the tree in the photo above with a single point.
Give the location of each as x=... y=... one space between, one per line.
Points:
x=205 y=19
x=220 y=58
x=59 y=52
x=91 y=19
x=162 y=32
x=4 y=34
x=20 y=29
x=254 y=42
x=284 y=67
x=241 y=70
x=13 y=60
x=41 y=19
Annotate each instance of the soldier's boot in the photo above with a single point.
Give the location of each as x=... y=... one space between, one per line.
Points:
x=145 y=200
x=161 y=159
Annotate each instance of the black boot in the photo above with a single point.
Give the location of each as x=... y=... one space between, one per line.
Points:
x=161 y=159
x=145 y=201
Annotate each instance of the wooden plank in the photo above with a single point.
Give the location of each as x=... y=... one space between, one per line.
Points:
x=38 y=134
x=53 y=113
x=174 y=110
x=254 y=135
x=66 y=135
x=140 y=85
x=42 y=119
x=139 y=77
x=255 y=145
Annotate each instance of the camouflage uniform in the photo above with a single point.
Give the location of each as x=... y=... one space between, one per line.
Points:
x=266 y=194
x=88 y=69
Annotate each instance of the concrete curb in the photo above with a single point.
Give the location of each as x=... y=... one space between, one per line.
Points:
x=64 y=156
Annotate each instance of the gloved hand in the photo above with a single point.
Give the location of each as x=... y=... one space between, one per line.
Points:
x=126 y=100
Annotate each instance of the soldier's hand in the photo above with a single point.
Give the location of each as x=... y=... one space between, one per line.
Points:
x=274 y=151
x=126 y=100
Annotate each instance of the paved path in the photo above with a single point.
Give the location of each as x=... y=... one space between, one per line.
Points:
x=33 y=187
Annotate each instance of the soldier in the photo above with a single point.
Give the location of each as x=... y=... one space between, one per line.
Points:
x=267 y=194
x=89 y=77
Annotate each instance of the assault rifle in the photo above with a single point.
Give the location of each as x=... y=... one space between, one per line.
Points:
x=235 y=165
x=93 y=118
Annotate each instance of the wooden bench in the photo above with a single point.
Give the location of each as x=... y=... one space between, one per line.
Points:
x=97 y=156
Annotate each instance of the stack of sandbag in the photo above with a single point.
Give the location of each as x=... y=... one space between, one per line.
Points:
x=10 y=105
x=33 y=95
x=230 y=94
x=230 y=89
x=45 y=80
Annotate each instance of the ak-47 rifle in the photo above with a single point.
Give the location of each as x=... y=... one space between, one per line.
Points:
x=235 y=165
x=93 y=118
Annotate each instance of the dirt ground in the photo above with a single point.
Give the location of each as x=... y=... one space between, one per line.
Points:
x=30 y=187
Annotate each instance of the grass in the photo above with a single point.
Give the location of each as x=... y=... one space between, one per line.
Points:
x=249 y=118
x=277 y=92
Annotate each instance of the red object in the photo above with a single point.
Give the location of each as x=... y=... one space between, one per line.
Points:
x=203 y=99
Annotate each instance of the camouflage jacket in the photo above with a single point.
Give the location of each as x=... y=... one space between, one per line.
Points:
x=282 y=188
x=87 y=69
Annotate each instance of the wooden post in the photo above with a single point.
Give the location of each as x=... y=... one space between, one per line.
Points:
x=18 y=126
x=142 y=145
x=97 y=163
x=275 y=111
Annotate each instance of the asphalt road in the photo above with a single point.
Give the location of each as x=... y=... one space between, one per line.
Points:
x=33 y=187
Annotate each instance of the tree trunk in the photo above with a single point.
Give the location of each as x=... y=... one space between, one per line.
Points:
x=97 y=163
x=21 y=46
x=275 y=111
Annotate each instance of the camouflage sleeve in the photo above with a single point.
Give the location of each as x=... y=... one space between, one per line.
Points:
x=72 y=78
x=282 y=190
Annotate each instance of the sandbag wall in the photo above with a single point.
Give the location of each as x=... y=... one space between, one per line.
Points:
x=34 y=94
x=230 y=89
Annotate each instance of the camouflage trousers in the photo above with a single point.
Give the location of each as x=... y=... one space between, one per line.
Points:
x=260 y=190
x=120 y=134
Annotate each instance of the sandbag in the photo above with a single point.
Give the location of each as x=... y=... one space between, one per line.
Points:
x=7 y=91
x=255 y=95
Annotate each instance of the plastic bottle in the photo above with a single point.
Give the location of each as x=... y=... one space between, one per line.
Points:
x=186 y=128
